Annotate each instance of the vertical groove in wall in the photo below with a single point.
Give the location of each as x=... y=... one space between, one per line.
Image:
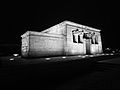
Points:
x=66 y=40
x=101 y=44
x=29 y=43
x=98 y=44
x=21 y=47
x=84 y=46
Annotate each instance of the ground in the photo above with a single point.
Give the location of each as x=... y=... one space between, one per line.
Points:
x=100 y=72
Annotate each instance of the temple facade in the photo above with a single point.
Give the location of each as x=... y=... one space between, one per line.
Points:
x=66 y=38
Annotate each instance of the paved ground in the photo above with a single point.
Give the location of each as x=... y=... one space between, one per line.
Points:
x=91 y=73
x=18 y=60
x=111 y=61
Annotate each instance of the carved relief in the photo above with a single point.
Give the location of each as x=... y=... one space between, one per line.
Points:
x=77 y=36
x=94 y=39
x=80 y=35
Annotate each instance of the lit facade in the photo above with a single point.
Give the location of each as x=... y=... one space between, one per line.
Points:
x=66 y=38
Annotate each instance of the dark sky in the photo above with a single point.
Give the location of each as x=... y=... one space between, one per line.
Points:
x=18 y=17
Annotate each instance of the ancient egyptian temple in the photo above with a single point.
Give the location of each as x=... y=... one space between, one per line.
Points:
x=66 y=38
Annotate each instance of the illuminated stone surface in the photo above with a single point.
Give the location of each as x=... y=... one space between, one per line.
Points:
x=66 y=38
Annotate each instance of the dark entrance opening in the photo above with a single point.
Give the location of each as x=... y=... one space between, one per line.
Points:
x=88 y=44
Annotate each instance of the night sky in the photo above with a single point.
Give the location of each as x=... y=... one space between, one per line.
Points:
x=19 y=17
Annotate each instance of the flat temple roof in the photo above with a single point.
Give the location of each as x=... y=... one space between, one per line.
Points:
x=40 y=33
x=64 y=22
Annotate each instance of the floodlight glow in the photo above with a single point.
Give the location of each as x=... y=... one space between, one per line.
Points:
x=108 y=48
x=103 y=54
x=11 y=59
x=91 y=55
x=111 y=54
x=106 y=54
x=15 y=55
x=47 y=58
x=86 y=55
x=83 y=56
x=79 y=56
x=63 y=57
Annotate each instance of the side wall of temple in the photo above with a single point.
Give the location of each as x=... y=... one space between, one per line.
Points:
x=42 y=45
x=36 y=44
x=25 y=45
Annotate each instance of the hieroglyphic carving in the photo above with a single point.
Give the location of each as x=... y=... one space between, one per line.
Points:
x=94 y=39
x=80 y=35
x=77 y=36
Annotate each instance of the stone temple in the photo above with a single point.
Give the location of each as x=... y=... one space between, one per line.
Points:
x=66 y=38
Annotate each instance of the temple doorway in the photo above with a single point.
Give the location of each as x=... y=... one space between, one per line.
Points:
x=88 y=44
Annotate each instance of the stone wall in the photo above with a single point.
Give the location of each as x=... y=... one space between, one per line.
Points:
x=46 y=45
x=72 y=47
x=25 y=46
x=85 y=45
